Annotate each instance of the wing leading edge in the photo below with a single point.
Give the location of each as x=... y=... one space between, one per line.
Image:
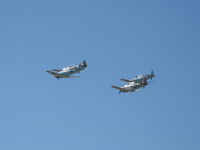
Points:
x=51 y=72
x=119 y=88
x=126 y=80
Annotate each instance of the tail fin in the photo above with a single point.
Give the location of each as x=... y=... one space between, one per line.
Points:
x=84 y=64
x=152 y=74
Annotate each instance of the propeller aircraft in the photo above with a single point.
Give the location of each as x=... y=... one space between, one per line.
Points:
x=67 y=72
x=132 y=86
x=140 y=78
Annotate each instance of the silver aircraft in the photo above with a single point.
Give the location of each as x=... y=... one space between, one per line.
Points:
x=68 y=71
x=132 y=86
x=140 y=78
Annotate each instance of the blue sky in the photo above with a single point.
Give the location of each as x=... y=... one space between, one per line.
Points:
x=118 y=39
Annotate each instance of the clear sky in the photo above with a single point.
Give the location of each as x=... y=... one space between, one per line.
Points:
x=118 y=38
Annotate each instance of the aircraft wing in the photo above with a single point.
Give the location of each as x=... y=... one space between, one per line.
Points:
x=51 y=72
x=126 y=80
x=119 y=88
x=57 y=70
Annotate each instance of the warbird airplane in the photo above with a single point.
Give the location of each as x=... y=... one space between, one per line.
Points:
x=132 y=86
x=140 y=78
x=68 y=71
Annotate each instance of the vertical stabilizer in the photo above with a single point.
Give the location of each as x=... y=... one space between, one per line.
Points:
x=84 y=64
x=152 y=74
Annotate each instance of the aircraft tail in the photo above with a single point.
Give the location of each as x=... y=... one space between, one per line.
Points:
x=84 y=64
x=152 y=74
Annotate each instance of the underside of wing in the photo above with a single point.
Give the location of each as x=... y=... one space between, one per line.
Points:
x=119 y=88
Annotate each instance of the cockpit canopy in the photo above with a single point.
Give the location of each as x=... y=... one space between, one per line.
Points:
x=69 y=67
x=139 y=76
